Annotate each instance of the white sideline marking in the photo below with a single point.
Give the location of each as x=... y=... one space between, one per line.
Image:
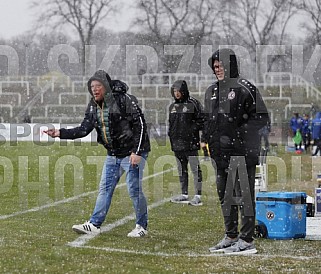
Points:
x=38 y=208
x=194 y=255
x=80 y=241
x=71 y=199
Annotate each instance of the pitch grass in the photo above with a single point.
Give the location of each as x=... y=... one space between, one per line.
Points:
x=179 y=235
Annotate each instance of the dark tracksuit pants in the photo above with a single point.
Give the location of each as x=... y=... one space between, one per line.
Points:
x=191 y=157
x=317 y=143
x=231 y=220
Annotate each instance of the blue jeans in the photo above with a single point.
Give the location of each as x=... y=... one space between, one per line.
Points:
x=113 y=168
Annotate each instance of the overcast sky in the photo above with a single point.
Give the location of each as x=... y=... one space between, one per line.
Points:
x=16 y=18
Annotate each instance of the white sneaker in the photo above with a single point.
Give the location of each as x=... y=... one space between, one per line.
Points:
x=137 y=232
x=86 y=228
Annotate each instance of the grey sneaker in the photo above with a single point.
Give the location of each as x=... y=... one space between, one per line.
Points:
x=196 y=201
x=181 y=199
x=241 y=247
x=223 y=244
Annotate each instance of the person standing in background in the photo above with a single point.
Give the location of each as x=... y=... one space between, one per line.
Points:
x=316 y=133
x=186 y=119
x=306 y=132
x=296 y=126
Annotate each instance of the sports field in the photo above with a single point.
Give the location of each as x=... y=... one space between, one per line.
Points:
x=44 y=190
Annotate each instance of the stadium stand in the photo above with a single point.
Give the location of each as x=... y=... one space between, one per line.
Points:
x=64 y=100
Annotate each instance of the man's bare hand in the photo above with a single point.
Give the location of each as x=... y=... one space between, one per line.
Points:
x=134 y=159
x=203 y=144
x=52 y=132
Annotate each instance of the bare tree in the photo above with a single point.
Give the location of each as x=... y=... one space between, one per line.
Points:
x=227 y=17
x=171 y=22
x=259 y=22
x=200 y=20
x=82 y=15
x=265 y=21
x=163 y=19
x=313 y=9
x=27 y=40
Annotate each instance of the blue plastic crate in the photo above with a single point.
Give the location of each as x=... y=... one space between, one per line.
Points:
x=282 y=213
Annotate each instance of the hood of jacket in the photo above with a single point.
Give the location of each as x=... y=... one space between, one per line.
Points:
x=110 y=85
x=228 y=59
x=118 y=86
x=103 y=77
x=318 y=115
x=181 y=85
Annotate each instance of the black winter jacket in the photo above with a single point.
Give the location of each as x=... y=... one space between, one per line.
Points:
x=125 y=120
x=186 y=119
x=234 y=113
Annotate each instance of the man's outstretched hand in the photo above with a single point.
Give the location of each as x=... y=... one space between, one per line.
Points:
x=52 y=132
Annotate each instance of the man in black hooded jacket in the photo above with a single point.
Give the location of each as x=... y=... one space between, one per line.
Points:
x=121 y=129
x=186 y=119
x=234 y=113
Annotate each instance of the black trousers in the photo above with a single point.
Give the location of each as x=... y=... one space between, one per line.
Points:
x=242 y=182
x=191 y=157
x=306 y=140
x=317 y=143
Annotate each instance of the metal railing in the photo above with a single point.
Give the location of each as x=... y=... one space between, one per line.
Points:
x=154 y=82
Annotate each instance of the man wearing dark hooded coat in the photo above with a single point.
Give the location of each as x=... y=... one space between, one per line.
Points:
x=186 y=119
x=122 y=130
x=234 y=114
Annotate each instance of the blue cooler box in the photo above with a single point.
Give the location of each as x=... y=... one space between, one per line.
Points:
x=282 y=213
